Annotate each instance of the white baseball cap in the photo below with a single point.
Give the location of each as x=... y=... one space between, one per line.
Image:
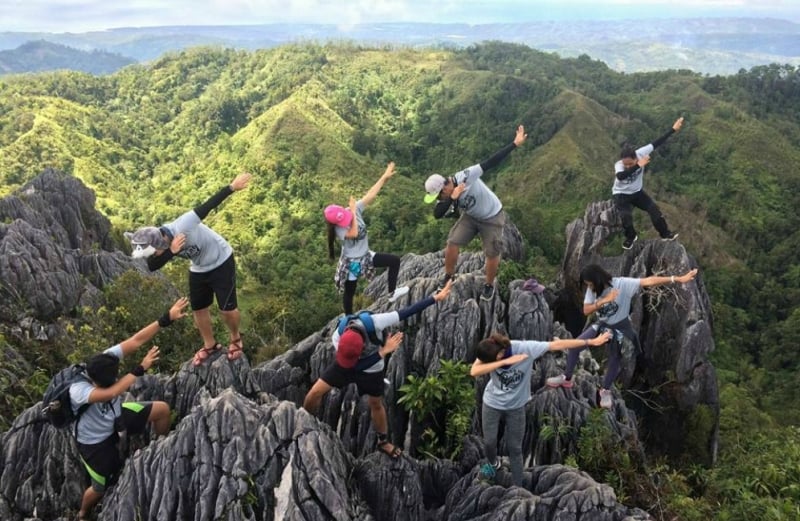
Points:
x=433 y=186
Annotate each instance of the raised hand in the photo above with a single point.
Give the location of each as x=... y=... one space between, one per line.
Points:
x=150 y=358
x=457 y=191
x=178 y=309
x=686 y=277
x=241 y=182
x=177 y=243
x=610 y=297
x=392 y=343
x=678 y=124
x=521 y=136
x=643 y=161
x=389 y=170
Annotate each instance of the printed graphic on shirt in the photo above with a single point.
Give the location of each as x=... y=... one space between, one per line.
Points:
x=608 y=310
x=634 y=176
x=509 y=378
x=466 y=202
x=191 y=251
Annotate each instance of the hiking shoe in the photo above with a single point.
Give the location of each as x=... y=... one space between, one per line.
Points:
x=398 y=292
x=488 y=292
x=442 y=283
x=627 y=244
x=489 y=471
x=670 y=237
x=606 y=400
x=559 y=381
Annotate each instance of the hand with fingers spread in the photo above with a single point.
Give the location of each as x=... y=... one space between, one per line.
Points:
x=150 y=358
x=392 y=343
x=241 y=182
x=178 y=309
x=521 y=136
x=177 y=243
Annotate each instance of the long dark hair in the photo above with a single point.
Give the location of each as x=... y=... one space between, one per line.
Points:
x=488 y=348
x=600 y=278
x=627 y=151
x=331 y=239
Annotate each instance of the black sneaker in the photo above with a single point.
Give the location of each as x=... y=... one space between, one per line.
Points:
x=442 y=283
x=671 y=237
x=488 y=292
x=627 y=244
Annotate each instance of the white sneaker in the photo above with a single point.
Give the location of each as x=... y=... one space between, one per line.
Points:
x=606 y=400
x=398 y=292
x=559 y=381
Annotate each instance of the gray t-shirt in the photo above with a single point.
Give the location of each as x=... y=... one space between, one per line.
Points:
x=205 y=248
x=477 y=200
x=97 y=421
x=632 y=184
x=358 y=247
x=381 y=321
x=509 y=387
x=613 y=312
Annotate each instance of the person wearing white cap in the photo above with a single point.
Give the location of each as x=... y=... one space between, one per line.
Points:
x=481 y=212
x=356 y=259
x=212 y=272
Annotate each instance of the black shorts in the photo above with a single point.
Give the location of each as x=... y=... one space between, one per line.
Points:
x=367 y=383
x=221 y=281
x=102 y=460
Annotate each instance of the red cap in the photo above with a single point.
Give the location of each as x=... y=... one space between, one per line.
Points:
x=351 y=345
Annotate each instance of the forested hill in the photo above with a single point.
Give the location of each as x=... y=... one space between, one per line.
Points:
x=41 y=55
x=316 y=124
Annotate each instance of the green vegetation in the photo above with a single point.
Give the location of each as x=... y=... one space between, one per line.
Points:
x=316 y=124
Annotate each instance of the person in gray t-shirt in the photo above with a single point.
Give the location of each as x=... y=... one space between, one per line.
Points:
x=628 y=189
x=509 y=364
x=356 y=259
x=610 y=299
x=212 y=269
x=97 y=404
x=481 y=213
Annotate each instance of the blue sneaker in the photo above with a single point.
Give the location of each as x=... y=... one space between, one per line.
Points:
x=488 y=471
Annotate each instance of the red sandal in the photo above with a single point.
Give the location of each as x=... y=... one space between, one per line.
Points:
x=235 y=349
x=204 y=353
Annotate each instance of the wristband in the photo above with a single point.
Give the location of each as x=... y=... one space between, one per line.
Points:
x=138 y=371
x=673 y=279
x=164 y=320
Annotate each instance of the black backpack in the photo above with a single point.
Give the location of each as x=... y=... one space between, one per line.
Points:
x=56 y=405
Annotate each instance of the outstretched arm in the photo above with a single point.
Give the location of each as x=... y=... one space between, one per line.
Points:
x=239 y=183
x=660 y=281
x=133 y=343
x=372 y=192
x=352 y=232
x=675 y=127
x=571 y=343
x=479 y=368
x=493 y=161
x=418 y=306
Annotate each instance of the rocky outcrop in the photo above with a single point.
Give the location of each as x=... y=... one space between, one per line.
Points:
x=55 y=250
x=675 y=329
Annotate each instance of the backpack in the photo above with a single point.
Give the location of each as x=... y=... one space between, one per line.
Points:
x=369 y=326
x=56 y=404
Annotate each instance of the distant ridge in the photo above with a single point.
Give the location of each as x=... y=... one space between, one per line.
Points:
x=41 y=55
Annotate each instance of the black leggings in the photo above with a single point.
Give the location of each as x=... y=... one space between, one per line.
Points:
x=380 y=260
x=625 y=204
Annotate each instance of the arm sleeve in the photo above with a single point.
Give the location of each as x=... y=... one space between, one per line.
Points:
x=156 y=262
x=415 y=308
x=214 y=201
x=497 y=157
x=625 y=174
x=442 y=207
x=660 y=141
x=589 y=297
x=629 y=286
x=115 y=351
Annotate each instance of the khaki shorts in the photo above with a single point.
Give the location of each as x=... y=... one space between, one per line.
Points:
x=491 y=231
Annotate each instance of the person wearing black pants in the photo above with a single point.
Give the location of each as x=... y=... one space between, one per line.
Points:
x=628 y=189
x=356 y=259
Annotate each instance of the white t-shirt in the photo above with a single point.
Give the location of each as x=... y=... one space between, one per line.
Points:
x=97 y=421
x=616 y=311
x=632 y=184
x=476 y=200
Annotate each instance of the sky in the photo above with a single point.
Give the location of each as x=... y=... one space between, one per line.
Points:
x=92 y=15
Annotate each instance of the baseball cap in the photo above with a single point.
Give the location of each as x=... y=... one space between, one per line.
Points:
x=338 y=215
x=351 y=345
x=433 y=185
x=145 y=241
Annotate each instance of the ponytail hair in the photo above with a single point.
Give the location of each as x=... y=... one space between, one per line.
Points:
x=331 y=239
x=487 y=349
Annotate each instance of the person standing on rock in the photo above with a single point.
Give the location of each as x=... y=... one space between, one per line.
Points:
x=628 y=189
x=212 y=271
x=356 y=259
x=359 y=360
x=481 y=213
x=509 y=364
x=610 y=298
x=100 y=411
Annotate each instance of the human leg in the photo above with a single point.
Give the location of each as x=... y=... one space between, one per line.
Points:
x=314 y=396
x=514 y=434
x=646 y=203
x=623 y=204
x=490 y=424
x=347 y=297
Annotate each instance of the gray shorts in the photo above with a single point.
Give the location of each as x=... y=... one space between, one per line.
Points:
x=491 y=231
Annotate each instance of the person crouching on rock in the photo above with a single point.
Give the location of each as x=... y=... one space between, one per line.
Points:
x=509 y=364
x=97 y=404
x=359 y=360
x=610 y=298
